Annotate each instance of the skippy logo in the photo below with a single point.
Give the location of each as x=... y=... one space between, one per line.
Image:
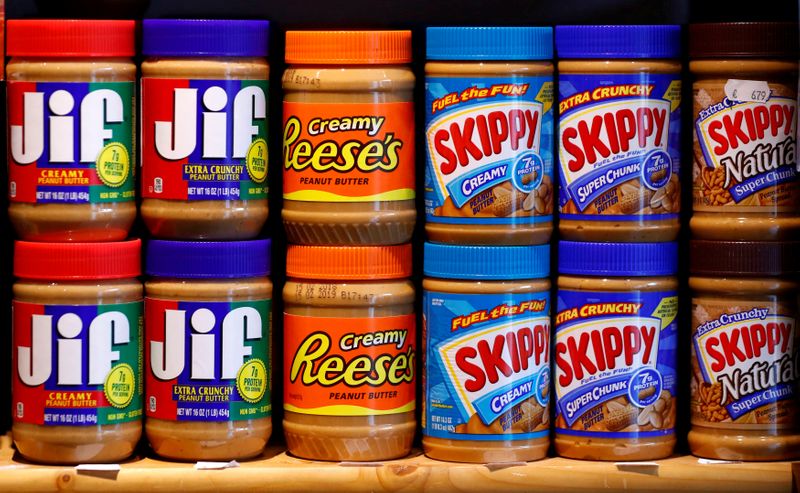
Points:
x=752 y=355
x=755 y=143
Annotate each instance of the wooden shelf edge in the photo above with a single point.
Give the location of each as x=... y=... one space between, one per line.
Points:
x=275 y=471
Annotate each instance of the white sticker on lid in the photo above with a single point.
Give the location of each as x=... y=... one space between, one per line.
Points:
x=747 y=91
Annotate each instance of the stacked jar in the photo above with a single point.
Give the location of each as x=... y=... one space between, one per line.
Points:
x=208 y=341
x=745 y=226
x=349 y=214
x=488 y=204
x=77 y=303
x=619 y=202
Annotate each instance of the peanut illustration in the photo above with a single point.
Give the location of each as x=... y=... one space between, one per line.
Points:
x=711 y=405
x=713 y=180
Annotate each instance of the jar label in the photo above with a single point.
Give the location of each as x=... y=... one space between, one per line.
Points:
x=489 y=150
x=204 y=139
x=487 y=366
x=745 y=146
x=77 y=365
x=616 y=363
x=349 y=366
x=619 y=146
x=208 y=361
x=744 y=363
x=348 y=152
x=71 y=142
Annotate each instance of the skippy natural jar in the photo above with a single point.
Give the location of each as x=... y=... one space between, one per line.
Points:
x=619 y=132
x=486 y=329
x=489 y=135
x=204 y=128
x=745 y=118
x=348 y=138
x=349 y=352
x=744 y=350
x=615 y=351
x=71 y=150
x=208 y=349
x=76 y=352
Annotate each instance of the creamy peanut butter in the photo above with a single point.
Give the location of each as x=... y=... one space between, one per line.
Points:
x=75 y=399
x=616 y=351
x=349 y=310
x=348 y=138
x=71 y=111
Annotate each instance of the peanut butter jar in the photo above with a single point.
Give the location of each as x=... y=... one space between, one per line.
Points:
x=745 y=184
x=489 y=135
x=204 y=128
x=208 y=349
x=348 y=138
x=71 y=120
x=349 y=353
x=486 y=329
x=616 y=344
x=619 y=132
x=744 y=382
x=76 y=351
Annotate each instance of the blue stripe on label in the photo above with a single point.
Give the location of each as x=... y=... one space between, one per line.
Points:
x=759 y=182
x=504 y=437
x=491 y=220
x=753 y=401
x=619 y=217
x=616 y=434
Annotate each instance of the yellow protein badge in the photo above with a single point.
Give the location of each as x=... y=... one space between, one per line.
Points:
x=113 y=164
x=251 y=381
x=257 y=160
x=120 y=386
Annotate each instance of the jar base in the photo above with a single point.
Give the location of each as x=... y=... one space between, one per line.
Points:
x=605 y=449
x=755 y=445
x=349 y=443
x=744 y=227
x=337 y=227
x=72 y=222
x=70 y=445
x=619 y=231
x=204 y=220
x=489 y=234
x=481 y=452
x=192 y=441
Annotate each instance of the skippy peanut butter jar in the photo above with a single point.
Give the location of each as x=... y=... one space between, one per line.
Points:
x=745 y=185
x=208 y=349
x=615 y=351
x=744 y=379
x=348 y=138
x=486 y=329
x=71 y=111
x=77 y=351
x=204 y=128
x=489 y=135
x=349 y=353
x=619 y=132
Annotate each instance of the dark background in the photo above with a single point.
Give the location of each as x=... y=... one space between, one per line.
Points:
x=407 y=14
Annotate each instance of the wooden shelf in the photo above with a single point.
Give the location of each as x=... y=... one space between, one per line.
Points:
x=276 y=472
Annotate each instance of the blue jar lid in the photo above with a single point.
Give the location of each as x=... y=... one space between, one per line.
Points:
x=205 y=38
x=490 y=43
x=618 y=259
x=486 y=262
x=653 y=41
x=208 y=259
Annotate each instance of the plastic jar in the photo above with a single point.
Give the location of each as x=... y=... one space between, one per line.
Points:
x=619 y=132
x=616 y=343
x=488 y=115
x=204 y=132
x=71 y=124
x=348 y=138
x=486 y=330
x=745 y=119
x=744 y=399
x=76 y=352
x=208 y=349
x=349 y=353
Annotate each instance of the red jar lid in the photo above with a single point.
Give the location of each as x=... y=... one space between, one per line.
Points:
x=78 y=261
x=70 y=38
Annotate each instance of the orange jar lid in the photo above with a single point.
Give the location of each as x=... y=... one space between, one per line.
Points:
x=360 y=263
x=348 y=47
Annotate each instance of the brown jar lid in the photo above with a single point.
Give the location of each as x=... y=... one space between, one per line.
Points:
x=744 y=40
x=744 y=258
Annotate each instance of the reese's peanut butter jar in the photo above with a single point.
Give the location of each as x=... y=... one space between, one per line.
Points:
x=71 y=120
x=204 y=128
x=619 y=132
x=486 y=330
x=208 y=349
x=616 y=343
x=489 y=135
x=77 y=351
x=745 y=357
x=348 y=138
x=745 y=184
x=349 y=352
